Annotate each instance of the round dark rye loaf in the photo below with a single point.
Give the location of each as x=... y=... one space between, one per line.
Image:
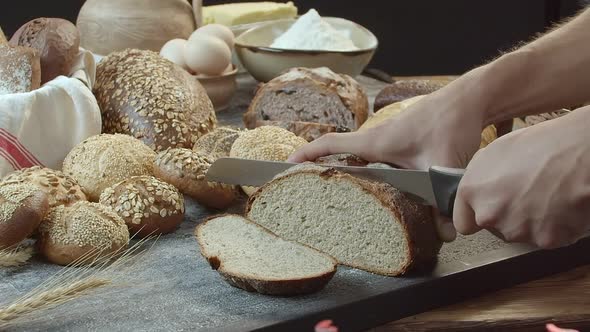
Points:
x=146 y=96
x=421 y=242
x=303 y=95
x=403 y=90
x=58 y=43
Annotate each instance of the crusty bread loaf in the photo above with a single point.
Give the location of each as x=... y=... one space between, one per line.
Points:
x=402 y=90
x=60 y=188
x=342 y=159
x=147 y=205
x=144 y=95
x=488 y=135
x=185 y=169
x=58 y=43
x=265 y=143
x=217 y=143
x=22 y=208
x=81 y=233
x=309 y=96
x=20 y=69
x=362 y=224
x=252 y=258
x=103 y=160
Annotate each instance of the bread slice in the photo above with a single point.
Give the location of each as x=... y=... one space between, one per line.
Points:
x=366 y=225
x=250 y=257
x=309 y=131
x=20 y=69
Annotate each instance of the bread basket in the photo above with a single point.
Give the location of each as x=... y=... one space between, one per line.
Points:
x=40 y=127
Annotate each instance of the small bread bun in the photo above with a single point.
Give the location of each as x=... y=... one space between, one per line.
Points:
x=81 y=232
x=147 y=205
x=104 y=160
x=217 y=143
x=265 y=143
x=22 y=208
x=60 y=188
x=185 y=169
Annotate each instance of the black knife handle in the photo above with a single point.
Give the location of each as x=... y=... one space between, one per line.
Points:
x=445 y=182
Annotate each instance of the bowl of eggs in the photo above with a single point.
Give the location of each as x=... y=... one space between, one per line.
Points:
x=207 y=56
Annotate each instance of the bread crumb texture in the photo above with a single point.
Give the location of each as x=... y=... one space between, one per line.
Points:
x=266 y=143
x=85 y=224
x=144 y=95
x=61 y=188
x=15 y=70
x=12 y=197
x=142 y=197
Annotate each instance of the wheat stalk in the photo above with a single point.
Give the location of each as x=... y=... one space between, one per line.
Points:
x=51 y=298
x=72 y=282
x=16 y=257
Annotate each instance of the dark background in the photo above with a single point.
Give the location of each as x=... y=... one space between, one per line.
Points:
x=417 y=37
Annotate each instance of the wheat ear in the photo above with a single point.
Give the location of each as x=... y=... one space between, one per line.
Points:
x=15 y=257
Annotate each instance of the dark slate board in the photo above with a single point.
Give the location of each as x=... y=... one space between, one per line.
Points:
x=173 y=288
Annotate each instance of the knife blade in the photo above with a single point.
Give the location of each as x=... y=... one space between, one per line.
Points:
x=436 y=187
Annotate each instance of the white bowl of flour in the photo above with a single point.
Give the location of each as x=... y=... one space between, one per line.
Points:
x=310 y=41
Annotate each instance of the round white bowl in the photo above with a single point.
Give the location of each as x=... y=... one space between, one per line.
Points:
x=265 y=63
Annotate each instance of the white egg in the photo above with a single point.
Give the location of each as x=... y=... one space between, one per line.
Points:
x=208 y=55
x=217 y=30
x=174 y=50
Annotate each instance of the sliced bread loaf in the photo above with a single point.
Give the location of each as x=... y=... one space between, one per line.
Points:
x=366 y=225
x=252 y=258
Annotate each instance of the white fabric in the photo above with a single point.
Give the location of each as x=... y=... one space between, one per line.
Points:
x=42 y=126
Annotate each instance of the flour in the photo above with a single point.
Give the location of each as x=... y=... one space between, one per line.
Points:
x=311 y=32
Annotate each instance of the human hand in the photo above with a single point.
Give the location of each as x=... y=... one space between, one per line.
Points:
x=532 y=185
x=442 y=129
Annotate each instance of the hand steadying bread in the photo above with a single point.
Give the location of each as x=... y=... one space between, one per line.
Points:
x=531 y=185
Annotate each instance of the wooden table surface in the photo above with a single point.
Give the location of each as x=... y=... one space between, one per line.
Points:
x=563 y=299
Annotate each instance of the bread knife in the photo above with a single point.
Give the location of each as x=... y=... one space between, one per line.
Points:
x=436 y=187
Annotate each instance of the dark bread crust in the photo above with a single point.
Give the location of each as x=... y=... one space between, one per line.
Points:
x=148 y=97
x=315 y=96
x=56 y=39
x=25 y=219
x=416 y=220
x=402 y=90
x=269 y=287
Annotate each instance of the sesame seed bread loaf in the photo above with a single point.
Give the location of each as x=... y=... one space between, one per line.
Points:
x=217 y=143
x=252 y=258
x=81 y=232
x=101 y=161
x=303 y=95
x=144 y=95
x=185 y=169
x=22 y=208
x=147 y=205
x=60 y=188
x=20 y=69
x=57 y=41
x=365 y=225
x=265 y=143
